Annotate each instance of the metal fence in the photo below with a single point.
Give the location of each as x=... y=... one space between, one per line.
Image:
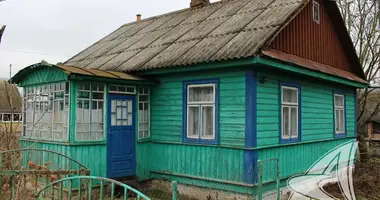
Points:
x=23 y=172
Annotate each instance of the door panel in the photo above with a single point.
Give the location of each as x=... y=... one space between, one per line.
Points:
x=121 y=136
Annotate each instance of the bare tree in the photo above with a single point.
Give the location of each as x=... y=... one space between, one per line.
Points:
x=362 y=18
x=2 y=29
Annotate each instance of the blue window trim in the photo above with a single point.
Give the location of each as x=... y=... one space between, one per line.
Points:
x=340 y=135
x=299 y=138
x=184 y=109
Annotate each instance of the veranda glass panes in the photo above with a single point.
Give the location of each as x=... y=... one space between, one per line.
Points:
x=193 y=122
x=201 y=94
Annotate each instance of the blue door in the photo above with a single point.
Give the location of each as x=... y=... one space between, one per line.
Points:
x=121 y=136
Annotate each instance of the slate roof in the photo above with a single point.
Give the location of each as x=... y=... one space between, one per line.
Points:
x=227 y=29
x=9 y=93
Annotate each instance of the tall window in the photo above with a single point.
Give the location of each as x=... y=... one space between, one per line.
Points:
x=46 y=111
x=90 y=112
x=316 y=12
x=201 y=106
x=289 y=113
x=339 y=114
x=144 y=113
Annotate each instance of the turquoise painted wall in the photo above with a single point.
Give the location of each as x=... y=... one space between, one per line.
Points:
x=295 y=159
x=168 y=154
x=91 y=156
x=317 y=119
x=166 y=103
x=44 y=76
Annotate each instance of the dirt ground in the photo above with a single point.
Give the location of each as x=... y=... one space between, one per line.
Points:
x=366 y=181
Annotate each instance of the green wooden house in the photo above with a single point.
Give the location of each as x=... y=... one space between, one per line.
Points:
x=200 y=94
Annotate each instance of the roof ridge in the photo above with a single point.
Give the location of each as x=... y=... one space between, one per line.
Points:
x=179 y=11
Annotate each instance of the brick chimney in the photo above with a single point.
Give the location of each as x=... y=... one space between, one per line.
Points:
x=138 y=16
x=199 y=3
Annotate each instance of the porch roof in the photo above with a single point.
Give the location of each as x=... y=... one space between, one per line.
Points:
x=71 y=72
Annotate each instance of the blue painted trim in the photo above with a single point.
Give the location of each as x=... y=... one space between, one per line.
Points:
x=299 y=138
x=250 y=109
x=250 y=156
x=184 y=108
x=250 y=166
x=111 y=97
x=355 y=113
x=339 y=92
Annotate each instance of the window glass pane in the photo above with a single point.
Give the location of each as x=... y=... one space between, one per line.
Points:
x=96 y=95
x=207 y=122
x=201 y=94
x=285 y=122
x=193 y=122
x=294 y=122
x=289 y=95
x=131 y=89
x=337 y=113
x=113 y=106
x=113 y=88
x=341 y=121
x=121 y=89
x=339 y=100
x=118 y=112
x=125 y=113
x=113 y=119
x=146 y=113
x=143 y=98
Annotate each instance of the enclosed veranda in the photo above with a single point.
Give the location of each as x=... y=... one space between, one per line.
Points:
x=91 y=115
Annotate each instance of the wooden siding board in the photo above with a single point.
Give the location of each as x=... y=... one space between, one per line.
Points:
x=43 y=76
x=211 y=162
x=317 y=108
x=318 y=42
x=302 y=157
x=167 y=104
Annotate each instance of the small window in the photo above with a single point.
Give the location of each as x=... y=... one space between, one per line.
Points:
x=290 y=113
x=144 y=113
x=122 y=89
x=339 y=113
x=316 y=12
x=201 y=107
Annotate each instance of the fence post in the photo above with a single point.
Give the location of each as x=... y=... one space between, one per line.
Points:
x=278 y=179
x=260 y=181
x=174 y=190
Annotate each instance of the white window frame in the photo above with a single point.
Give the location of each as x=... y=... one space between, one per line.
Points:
x=316 y=6
x=40 y=126
x=289 y=105
x=201 y=104
x=90 y=110
x=144 y=122
x=12 y=117
x=120 y=92
x=340 y=108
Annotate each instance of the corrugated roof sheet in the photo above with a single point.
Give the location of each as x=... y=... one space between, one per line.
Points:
x=75 y=71
x=311 y=65
x=223 y=30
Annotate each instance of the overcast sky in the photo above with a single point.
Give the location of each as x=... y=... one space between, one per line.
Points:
x=55 y=30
